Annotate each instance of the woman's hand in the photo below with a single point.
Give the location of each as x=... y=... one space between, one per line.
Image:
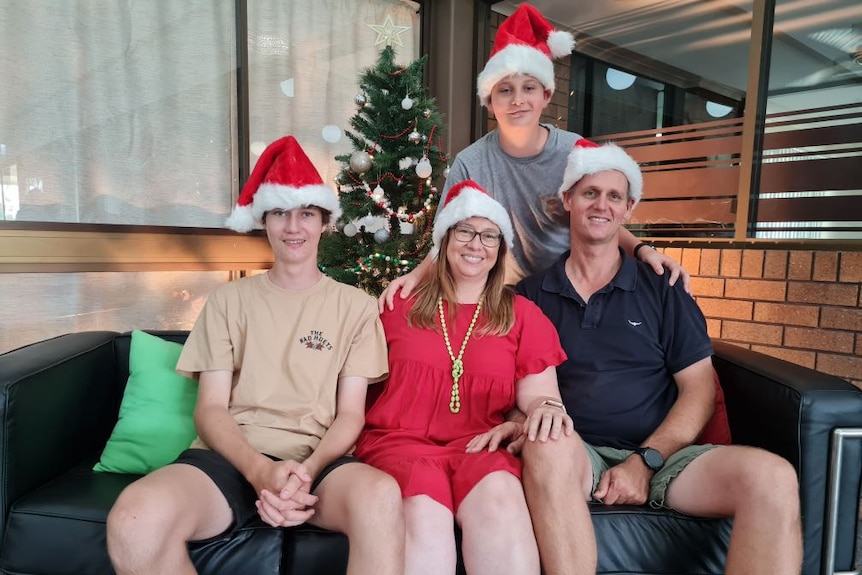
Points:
x=659 y=261
x=507 y=431
x=547 y=422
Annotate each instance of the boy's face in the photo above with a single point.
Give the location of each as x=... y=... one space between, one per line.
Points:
x=518 y=100
x=598 y=205
x=294 y=234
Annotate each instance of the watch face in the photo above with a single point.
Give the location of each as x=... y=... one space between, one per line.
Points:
x=653 y=458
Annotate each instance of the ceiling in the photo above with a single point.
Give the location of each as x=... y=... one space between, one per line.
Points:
x=704 y=43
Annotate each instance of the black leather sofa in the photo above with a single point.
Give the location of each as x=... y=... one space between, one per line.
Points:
x=59 y=400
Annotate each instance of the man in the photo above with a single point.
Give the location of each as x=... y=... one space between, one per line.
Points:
x=284 y=361
x=521 y=161
x=639 y=386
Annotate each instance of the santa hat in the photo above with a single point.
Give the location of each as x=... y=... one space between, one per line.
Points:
x=466 y=200
x=588 y=158
x=283 y=178
x=525 y=43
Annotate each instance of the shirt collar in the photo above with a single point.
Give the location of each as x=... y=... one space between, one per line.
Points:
x=556 y=281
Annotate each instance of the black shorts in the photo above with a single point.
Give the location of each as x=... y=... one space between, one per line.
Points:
x=236 y=489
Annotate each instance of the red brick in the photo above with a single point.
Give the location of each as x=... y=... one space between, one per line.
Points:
x=803 y=358
x=707 y=287
x=713 y=328
x=755 y=289
x=751 y=332
x=752 y=264
x=825 y=266
x=850 y=269
x=800 y=265
x=725 y=308
x=775 y=265
x=841 y=318
x=691 y=260
x=819 y=339
x=822 y=293
x=709 y=262
x=731 y=262
x=786 y=314
x=859 y=344
x=846 y=366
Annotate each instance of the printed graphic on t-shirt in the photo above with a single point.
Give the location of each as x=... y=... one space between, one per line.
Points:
x=315 y=340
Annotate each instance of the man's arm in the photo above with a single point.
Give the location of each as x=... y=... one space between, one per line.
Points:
x=628 y=482
x=656 y=260
x=348 y=423
x=219 y=430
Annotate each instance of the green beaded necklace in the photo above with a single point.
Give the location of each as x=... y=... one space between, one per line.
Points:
x=457 y=363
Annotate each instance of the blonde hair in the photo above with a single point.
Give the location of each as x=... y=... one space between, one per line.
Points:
x=498 y=309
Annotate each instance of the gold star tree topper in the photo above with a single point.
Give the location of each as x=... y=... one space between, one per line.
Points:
x=388 y=32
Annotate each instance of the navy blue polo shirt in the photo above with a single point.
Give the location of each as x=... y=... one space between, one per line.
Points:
x=623 y=348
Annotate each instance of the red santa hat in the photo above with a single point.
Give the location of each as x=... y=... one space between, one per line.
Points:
x=465 y=200
x=588 y=158
x=525 y=43
x=283 y=178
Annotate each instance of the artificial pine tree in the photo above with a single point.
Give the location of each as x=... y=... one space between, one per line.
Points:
x=389 y=175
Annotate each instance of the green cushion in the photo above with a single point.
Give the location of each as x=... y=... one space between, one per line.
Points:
x=155 y=422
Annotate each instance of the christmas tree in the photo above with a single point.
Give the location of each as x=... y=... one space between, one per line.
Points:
x=385 y=186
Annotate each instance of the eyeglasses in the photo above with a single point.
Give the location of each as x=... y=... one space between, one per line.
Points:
x=466 y=235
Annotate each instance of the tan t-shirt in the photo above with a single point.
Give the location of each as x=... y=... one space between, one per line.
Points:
x=286 y=350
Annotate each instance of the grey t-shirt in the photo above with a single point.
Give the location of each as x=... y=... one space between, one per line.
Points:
x=527 y=188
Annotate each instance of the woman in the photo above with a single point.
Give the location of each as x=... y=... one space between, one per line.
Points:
x=463 y=352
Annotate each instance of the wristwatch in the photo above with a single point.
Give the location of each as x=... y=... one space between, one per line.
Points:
x=638 y=248
x=652 y=457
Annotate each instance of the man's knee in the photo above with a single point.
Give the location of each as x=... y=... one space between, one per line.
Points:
x=138 y=526
x=564 y=459
x=380 y=499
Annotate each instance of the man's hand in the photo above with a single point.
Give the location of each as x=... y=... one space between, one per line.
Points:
x=406 y=284
x=283 y=488
x=625 y=484
x=507 y=431
x=658 y=262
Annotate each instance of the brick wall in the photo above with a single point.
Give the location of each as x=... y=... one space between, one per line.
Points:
x=798 y=305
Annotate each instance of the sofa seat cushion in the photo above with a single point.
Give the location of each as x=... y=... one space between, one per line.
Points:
x=60 y=529
x=640 y=540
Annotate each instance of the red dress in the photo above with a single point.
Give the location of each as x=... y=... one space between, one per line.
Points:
x=410 y=432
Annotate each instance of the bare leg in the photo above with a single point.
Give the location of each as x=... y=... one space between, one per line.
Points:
x=497 y=533
x=760 y=491
x=365 y=504
x=430 y=537
x=558 y=481
x=156 y=516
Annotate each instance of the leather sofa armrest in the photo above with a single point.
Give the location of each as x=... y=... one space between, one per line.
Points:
x=792 y=410
x=59 y=400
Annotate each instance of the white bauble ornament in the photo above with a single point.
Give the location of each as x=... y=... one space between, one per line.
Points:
x=381 y=235
x=407 y=103
x=414 y=137
x=360 y=162
x=350 y=230
x=423 y=168
x=378 y=194
x=360 y=99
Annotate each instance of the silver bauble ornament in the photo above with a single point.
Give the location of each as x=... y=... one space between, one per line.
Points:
x=339 y=225
x=407 y=103
x=360 y=99
x=360 y=162
x=426 y=113
x=414 y=137
x=446 y=172
x=350 y=230
x=381 y=235
x=423 y=168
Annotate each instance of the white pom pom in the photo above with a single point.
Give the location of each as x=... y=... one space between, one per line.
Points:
x=560 y=43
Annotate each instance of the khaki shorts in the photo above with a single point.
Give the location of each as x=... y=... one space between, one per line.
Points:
x=603 y=458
